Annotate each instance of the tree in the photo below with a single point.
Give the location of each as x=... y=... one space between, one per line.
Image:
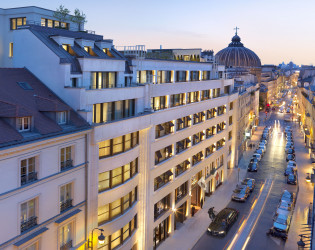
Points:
x=79 y=18
x=61 y=13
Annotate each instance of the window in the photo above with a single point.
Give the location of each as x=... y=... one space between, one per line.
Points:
x=89 y=50
x=145 y=76
x=163 y=76
x=28 y=215
x=161 y=206
x=161 y=232
x=113 y=111
x=181 y=191
x=181 y=76
x=206 y=75
x=120 y=236
x=28 y=171
x=62 y=117
x=65 y=158
x=181 y=168
x=197 y=158
x=231 y=105
x=193 y=97
x=54 y=24
x=205 y=95
x=17 y=22
x=194 y=75
x=10 y=49
x=210 y=150
x=177 y=100
x=230 y=135
x=163 y=154
x=230 y=120
x=216 y=93
x=118 y=145
x=220 y=127
x=210 y=131
x=65 y=236
x=34 y=246
x=67 y=47
x=198 y=137
x=107 y=52
x=183 y=122
x=182 y=145
x=199 y=117
x=164 y=129
x=24 y=124
x=117 y=207
x=220 y=143
x=65 y=197
x=158 y=103
x=102 y=80
x=163 y=179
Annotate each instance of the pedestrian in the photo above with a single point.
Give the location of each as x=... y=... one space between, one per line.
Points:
x=201 y=203
x=193 y=211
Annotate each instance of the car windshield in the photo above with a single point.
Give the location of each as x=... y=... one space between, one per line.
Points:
x=239 y=191
x=281 y=221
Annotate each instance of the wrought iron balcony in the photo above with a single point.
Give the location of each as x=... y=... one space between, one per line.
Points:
x=66 y=164
x=65 y=205
x=25 y=179
x=66 y=246
x=29 y=223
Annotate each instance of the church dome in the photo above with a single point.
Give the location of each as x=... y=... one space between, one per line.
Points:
x=236 y=55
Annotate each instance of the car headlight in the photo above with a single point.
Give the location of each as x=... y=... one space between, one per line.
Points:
x=222 y=232
x=209 y=230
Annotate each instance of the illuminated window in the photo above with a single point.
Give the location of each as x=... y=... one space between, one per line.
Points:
x=67 y=47
x=107 y=52
x=65 y=236
x=16 y=22
x=24 y=124
x=11 y=50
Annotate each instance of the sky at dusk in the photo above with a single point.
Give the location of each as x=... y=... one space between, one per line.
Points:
x=277 y=30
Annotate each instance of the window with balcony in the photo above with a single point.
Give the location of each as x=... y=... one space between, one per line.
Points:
x=28 y=215
x=113 y=111
x=183 y=122
x=220 y=127
x=193 y=97
x=220 y=143
x=103 y=80
x=199 y=117
x=54 y=23
x=28 y=171
x=162 y=206
x=65 y=197
x=181 y=191
x=62 y=117
x=145 y=76
x=198 y=137
x=210 y=150
x=177 y=100
x=24 y=124
x=210 y=132
x=205 y=75
x=163 y=129
x=211 y=113
x=17 y=22
x=118 y=145
x=120 y=236
x=197 y=158
x=158 y=103
x=117 y=207
x=221 y=110
x=182 y=145
x=163 y=179
x=181 y=168
x=163 y=154
x=181 y=76
x=110 y=179
x=65 y=158
x=194 y=75
x=205 y=95
x=164 y=76
x=66 y=236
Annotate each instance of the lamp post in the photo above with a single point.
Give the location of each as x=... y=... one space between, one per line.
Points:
x=101 y=238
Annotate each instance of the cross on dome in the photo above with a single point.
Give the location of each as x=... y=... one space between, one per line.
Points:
x=236 y=28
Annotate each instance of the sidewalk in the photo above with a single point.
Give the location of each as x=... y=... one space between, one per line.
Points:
x=192 y=230
x=305 y=195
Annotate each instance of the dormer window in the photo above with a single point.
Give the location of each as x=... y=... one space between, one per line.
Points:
x=107 y=52
x=62 y=117
x=67 y=47
x=89 y=50
x=24 y=124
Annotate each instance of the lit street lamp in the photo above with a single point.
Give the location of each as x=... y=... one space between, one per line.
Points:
x=101 y=238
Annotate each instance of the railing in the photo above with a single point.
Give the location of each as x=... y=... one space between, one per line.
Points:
x=65 y=205
x=66 y=164
x=28 y=178
x=66 y=246
x=27 y=224
x=130 y=85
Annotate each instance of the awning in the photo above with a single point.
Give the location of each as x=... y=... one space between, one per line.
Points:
x=30 y=237
x=202 y=133
x=196 y=136
x=158 y=154
x=188 y=140
x=169 y=173
x=169 y=149
x=158 y=179
x=180 y=120
x=67 y=216
x=187 y=162
x=203 y=113
x=196 y=115
x=171 y=124
x=180 y=144
x=188 y=118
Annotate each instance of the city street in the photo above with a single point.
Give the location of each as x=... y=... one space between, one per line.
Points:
x=256 y=214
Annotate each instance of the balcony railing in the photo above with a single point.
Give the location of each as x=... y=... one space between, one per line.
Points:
x=27 y=224
x=66 y=246
x=66 y=164
x=65 y=205
x=25 y=179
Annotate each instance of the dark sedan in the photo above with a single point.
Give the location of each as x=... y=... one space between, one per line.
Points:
x=250 y=183
x=291 y=179
x=223 y=222
x=252 y=167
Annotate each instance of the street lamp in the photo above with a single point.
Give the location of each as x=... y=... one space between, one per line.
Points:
x=101 y=238
x=308 y=178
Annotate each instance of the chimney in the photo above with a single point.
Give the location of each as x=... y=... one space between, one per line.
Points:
x=160 y=46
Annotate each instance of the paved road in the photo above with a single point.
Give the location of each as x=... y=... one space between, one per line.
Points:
x=272 y=167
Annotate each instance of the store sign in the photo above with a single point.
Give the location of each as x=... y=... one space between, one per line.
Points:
x=247 y=134
x=202 y=183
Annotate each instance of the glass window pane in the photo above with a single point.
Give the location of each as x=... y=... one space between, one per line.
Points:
x=104 y=149
x=103 y=181
x=125 y=232
x=115 y=238
x=116 y=208
x=116 y=176
x=126 y=202
x=127 y=141
x=127 y=172
x=103 y=214
x=118 y=145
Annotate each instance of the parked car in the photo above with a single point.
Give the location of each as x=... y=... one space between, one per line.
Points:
x=254 y=160
x=284 y=208
x=291 y=179
x=289 y=170
x=287 y=147
x=241 y=193
x=258 y=156
x=252 y=167
x=250 y=183
x=292 y=163
x=259 y=151
x=223 y=222
x=290 y=151
x=288 y=197
x=290 y=157
x=282 y=222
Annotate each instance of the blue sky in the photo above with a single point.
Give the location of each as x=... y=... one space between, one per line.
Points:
x=278 y=30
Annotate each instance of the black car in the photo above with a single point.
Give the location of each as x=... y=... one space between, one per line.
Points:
x=223 y=222
x=252 y=167
x=291 y=179
x=291 y=157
